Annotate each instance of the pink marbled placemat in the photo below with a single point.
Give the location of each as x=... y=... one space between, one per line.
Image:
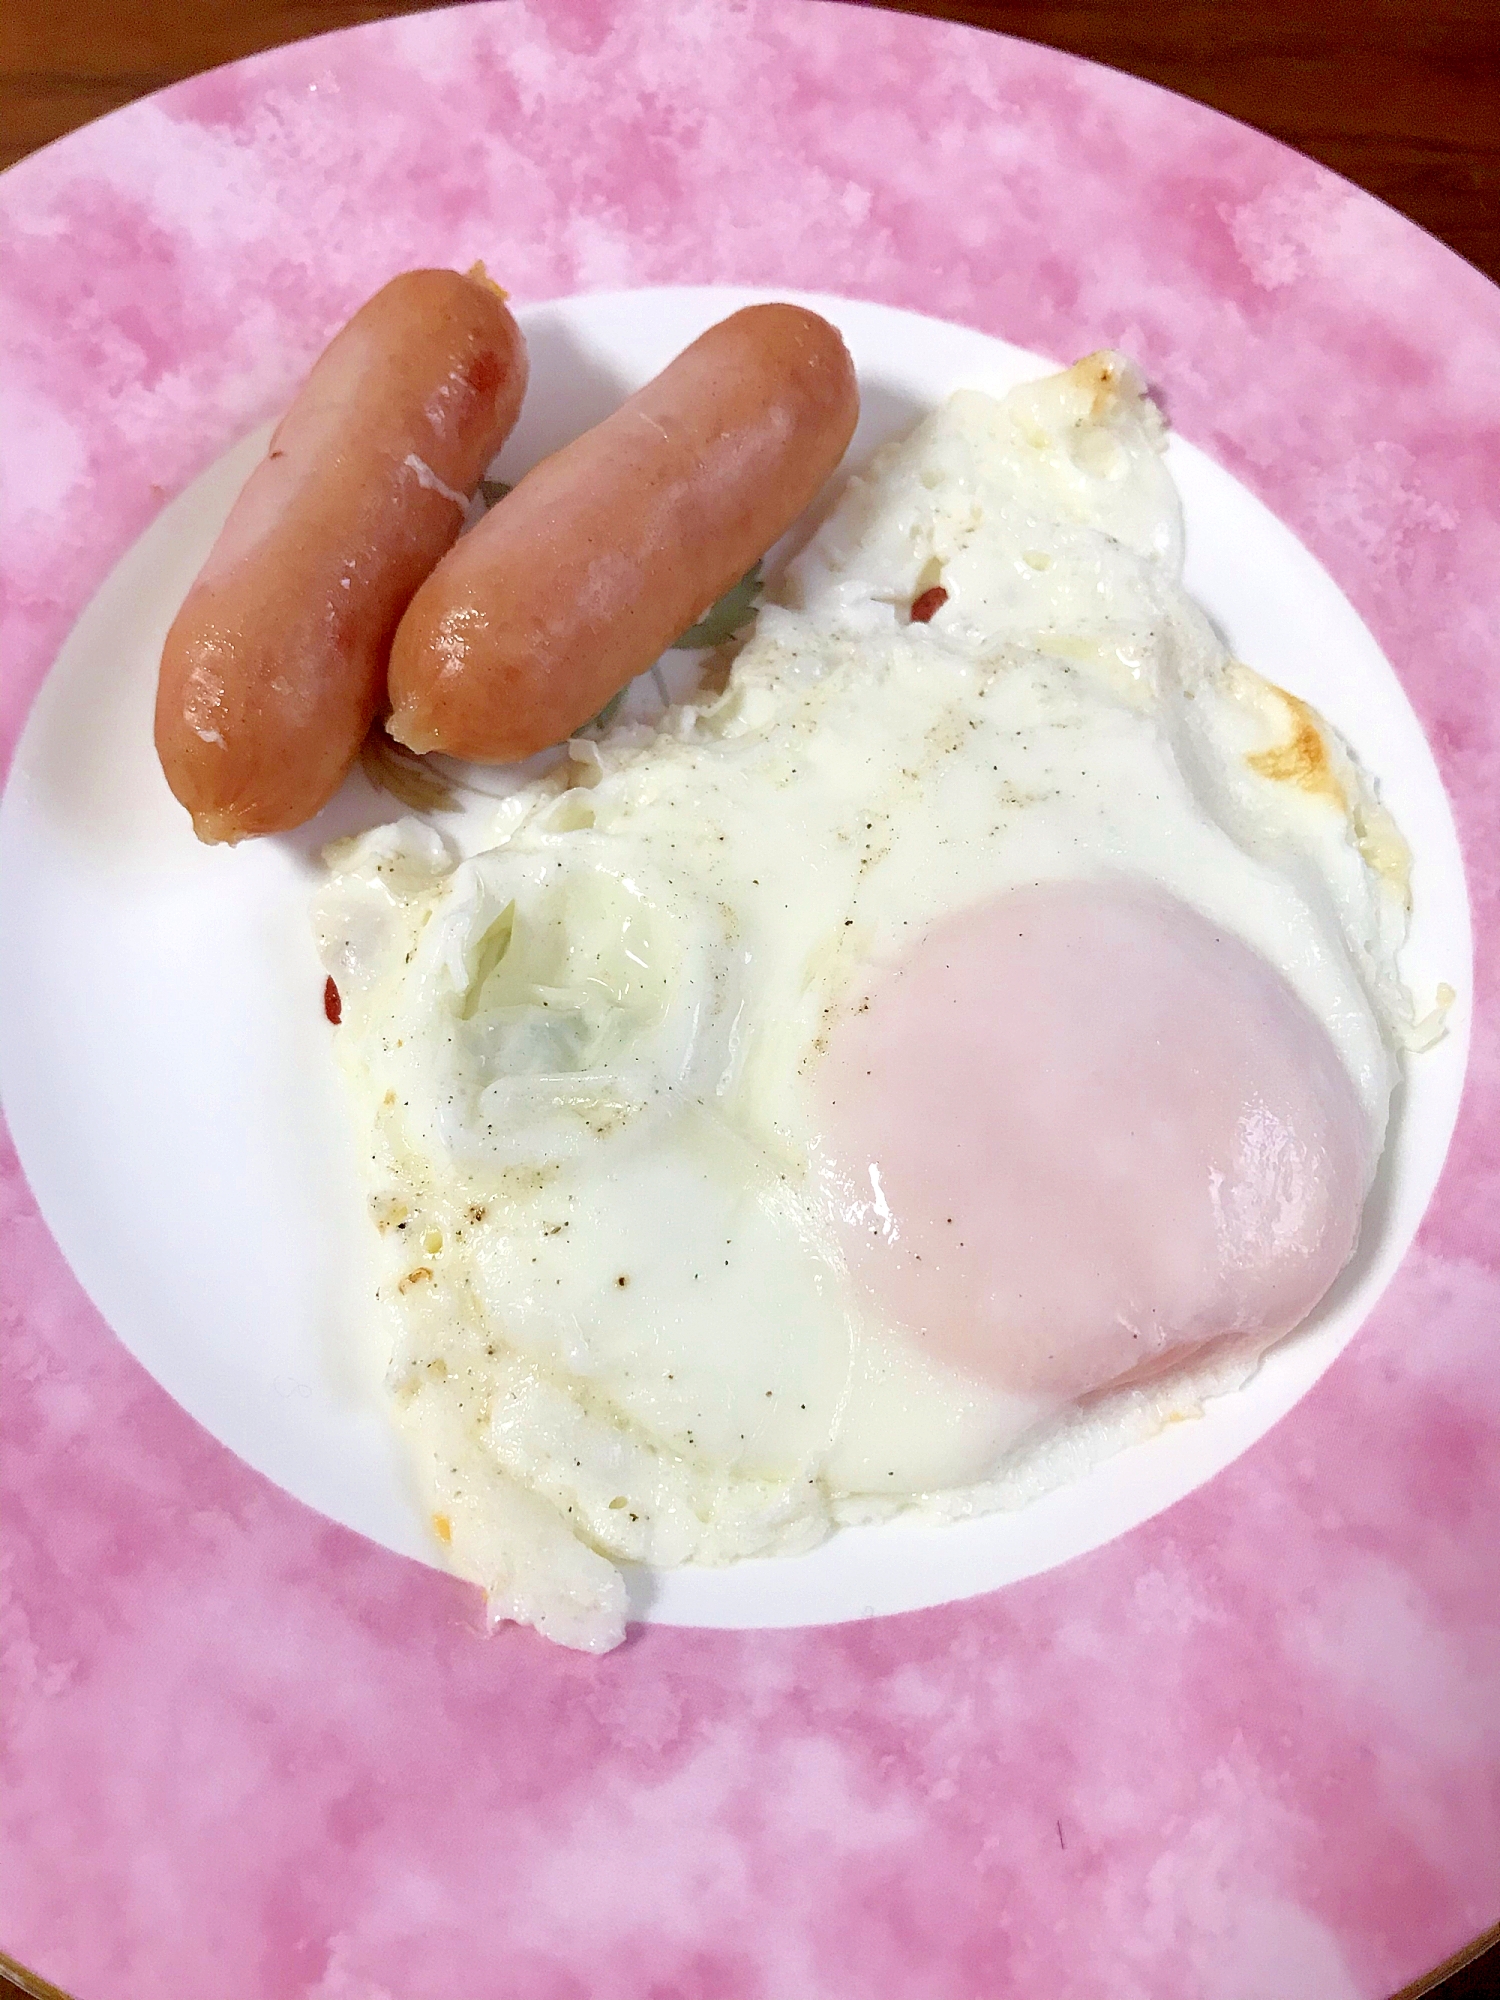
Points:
x=1251 y=1751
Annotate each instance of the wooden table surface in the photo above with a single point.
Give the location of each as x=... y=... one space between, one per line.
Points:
x=1400 y=96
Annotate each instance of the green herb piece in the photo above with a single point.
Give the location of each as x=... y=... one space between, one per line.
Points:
x=609 y=711
x=722 y=620
x=491 y=490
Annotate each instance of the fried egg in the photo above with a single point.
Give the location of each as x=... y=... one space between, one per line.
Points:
x=906 y=1070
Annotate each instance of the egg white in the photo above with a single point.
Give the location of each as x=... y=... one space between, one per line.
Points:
x=581 y=1024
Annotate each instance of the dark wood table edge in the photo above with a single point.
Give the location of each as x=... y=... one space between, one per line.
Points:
x=1459 y=1962
x=15 y=1979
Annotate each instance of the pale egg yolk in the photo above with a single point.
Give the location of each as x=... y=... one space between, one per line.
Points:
x=1079 y=1131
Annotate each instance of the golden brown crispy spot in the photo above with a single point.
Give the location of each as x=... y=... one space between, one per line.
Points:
x=478 y=275
x=1302 y=758
x=1098 y=373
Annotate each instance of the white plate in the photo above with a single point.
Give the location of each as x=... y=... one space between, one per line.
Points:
x=169 y=1077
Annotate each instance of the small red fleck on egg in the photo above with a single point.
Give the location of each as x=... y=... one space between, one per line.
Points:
x=333 y=1006
x=926 y=607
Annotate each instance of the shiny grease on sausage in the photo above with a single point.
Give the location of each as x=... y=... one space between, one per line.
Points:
x=274 y=668
x=605 y=552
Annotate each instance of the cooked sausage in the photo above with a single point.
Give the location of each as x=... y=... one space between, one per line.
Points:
x=274 y=667
x=607 y=551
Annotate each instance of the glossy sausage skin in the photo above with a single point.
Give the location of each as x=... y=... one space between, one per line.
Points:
x=607 y=551
x=275 y=665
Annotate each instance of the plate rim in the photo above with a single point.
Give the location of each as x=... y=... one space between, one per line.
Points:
x=26 y=184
